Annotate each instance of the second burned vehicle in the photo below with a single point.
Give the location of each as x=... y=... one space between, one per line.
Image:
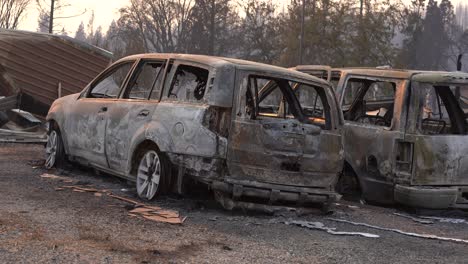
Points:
x=157 y=118
x=405 y=136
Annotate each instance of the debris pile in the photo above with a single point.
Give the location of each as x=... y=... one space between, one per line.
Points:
x=157 y=214
x=20 y=126
x=149 y=212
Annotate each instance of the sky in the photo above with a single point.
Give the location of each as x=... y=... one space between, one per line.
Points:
x=104 y=12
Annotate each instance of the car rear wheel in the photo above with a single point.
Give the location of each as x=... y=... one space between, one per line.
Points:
x=55 y=154
x=152 y=174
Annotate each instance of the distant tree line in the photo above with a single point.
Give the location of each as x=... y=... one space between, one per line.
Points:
x=425 y=34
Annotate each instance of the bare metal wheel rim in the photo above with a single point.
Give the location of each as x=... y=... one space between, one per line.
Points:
x=149 y=175
x=51 y=149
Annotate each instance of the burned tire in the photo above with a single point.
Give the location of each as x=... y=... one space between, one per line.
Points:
x=153 y=174
x=348 y=186
x=55 y=151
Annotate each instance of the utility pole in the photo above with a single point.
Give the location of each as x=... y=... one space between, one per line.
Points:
x=51 y=16
x=301 y=43
x=361 y=8
x=459 y=62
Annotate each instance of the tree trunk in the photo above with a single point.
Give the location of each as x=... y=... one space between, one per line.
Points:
x=51 y=17
x=212 y=28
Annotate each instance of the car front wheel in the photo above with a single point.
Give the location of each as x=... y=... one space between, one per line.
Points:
x=55 y=154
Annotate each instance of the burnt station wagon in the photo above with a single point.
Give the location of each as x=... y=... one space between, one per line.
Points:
x=405 y=136
x=158 y=119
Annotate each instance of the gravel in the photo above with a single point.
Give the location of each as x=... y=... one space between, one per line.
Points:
x=39 y=224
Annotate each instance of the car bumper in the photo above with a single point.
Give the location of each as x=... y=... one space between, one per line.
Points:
x=272 y=194
x=430 y=197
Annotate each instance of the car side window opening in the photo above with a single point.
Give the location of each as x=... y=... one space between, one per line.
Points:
x=109 y=86
x=266 y=95
x=313 y=103
x=147 y=81
x=269 y=103
x=310 y=100
x=369 y=101
x=268 y=98
x=189 y=83
x=444 y=110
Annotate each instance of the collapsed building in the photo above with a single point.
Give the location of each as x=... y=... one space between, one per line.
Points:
x=37 y=68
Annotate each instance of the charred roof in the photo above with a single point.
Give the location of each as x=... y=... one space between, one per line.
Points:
x=214 y=61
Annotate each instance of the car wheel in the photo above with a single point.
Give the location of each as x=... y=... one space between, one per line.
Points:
x=55 y=153
x=152 y=175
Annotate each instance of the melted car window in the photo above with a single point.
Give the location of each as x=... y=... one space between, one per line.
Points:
x=310 y=100
x=189 y=83
x=273 y=101
x=444 y=109
x=369 y=101
x=270 y=104
x=109 y=87
x=148 y=80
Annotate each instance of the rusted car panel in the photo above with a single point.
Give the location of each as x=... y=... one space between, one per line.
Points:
x=405 y=135
x=206 y=128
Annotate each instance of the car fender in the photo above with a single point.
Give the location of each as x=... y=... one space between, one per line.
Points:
x=57 y=113
x=154 y=132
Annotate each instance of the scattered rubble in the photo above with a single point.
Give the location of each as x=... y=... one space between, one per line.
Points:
x=430 y=219
x=330 y=230
x=157 y=214
x=415 y=219
x=425 y=236
x=20 y=126
x=446 y=220
x=153 y=213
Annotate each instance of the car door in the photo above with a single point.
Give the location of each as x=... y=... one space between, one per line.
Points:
x=265 y=144
x=132 y=111
x=437 y=132
x=88 y=117
x=323 y=155
x=374 y=124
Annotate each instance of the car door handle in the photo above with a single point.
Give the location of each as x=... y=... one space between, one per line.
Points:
x=103 y=109
x=144 y=113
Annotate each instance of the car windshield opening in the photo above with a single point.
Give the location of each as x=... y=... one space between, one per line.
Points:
x=444 y=109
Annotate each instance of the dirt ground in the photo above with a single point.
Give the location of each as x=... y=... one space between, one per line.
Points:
x=39 y=224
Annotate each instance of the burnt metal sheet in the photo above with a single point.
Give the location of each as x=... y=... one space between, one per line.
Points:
x=34 y=64
x=7 y=103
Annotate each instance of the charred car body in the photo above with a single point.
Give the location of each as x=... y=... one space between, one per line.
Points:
x=148 y=116
x=405 y=136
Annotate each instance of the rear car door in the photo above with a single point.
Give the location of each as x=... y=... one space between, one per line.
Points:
x=438 y=132
x=88 y=118
x=374 y=126
x=266 y=141
x=135 y=108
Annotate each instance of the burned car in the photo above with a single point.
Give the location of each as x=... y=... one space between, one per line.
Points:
x=158 y=119
x=321 y=71
x=405 y=136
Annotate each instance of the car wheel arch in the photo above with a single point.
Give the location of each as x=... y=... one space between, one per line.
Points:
x=350 y=172
x=54 y=124
x=136 y=150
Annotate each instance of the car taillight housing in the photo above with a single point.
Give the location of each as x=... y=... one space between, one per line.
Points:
x=217 y=119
